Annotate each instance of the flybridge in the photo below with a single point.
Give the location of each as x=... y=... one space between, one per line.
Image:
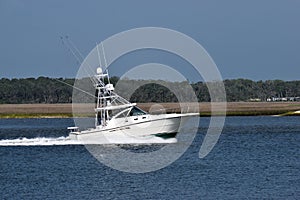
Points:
x=107 y=100
x=116 y=107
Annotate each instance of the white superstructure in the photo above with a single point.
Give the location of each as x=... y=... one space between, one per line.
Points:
x=118 y=121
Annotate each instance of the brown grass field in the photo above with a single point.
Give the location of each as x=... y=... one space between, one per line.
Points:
x=233 y=108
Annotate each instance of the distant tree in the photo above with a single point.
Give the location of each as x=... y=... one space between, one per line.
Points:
x=51 y=90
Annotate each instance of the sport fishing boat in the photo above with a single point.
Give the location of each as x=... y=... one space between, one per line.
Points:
x=118 y=121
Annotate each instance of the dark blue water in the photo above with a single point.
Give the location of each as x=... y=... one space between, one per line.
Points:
x=255 y=157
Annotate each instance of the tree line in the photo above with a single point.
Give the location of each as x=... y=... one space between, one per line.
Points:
x=59 y=90
x=35 y=90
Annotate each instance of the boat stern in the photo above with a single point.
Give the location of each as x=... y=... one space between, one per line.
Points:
x=74 y=131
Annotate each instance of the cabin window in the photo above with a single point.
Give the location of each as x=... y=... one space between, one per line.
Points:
x=136 y=111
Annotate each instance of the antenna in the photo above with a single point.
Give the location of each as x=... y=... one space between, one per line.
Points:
x=99 y=58
x=105 y=63
x=99 y=69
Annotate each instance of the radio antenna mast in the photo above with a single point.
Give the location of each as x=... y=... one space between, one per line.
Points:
x=105 y=63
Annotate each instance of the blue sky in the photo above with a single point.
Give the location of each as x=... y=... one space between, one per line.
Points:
x=251 y=39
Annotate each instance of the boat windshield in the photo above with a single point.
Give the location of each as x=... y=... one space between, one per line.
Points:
x=136 y=111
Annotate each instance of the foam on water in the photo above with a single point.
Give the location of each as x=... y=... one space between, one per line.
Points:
x=48 y=141
x=39 y=141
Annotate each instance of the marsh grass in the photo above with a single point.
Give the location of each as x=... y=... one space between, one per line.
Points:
x=233 y=109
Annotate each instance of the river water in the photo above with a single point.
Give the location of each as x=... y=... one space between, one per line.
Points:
x=255 y=157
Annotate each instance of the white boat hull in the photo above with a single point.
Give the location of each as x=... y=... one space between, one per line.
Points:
x=135 y=129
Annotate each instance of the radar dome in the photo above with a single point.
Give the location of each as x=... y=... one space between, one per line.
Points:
x=99 y=70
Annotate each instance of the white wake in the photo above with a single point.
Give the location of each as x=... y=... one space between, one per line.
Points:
x=39 y=141
x=48 y=141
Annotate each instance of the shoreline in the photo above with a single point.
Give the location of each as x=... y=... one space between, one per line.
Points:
x=233 y=109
